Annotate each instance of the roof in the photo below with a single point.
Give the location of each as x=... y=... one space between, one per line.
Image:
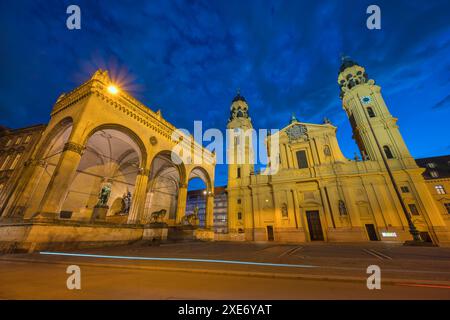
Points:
x=238 y=97
x=436 y=167
x=347 y=62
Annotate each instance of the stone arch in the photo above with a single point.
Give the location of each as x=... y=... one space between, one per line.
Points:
x=112 y=156
x=169 y=157
x=201 y=202
x=56 y=138
x=127 y=131
x=47 y=156
x=200 y=172
x=165 y=179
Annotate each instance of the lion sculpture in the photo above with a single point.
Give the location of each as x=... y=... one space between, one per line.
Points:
x=158 y=216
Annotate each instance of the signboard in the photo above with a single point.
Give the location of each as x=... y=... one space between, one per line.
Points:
x=389 y=234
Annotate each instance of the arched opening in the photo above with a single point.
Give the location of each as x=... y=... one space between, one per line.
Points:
x=196 y=200
x=199 y=189
x=48 y=157
x=163 y=188
x=370 y=112
x=388 y=152
x=111 y=159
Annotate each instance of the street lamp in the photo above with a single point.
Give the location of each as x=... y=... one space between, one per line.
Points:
x=113 y=89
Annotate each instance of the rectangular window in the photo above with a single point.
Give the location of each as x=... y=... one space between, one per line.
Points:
x=301 y=159
x=413 y=209
x=434 y=174
x=19 y=140
x=14 y=163
x=5 y=162
x=238 y=173
x=447 y=207
x=239 y=201
x=239 y=215
x=404 y=189
x=439 y=189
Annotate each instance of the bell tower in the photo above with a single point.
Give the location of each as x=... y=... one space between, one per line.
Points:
x=240 y=159
x=240 y=148
x=371 y=121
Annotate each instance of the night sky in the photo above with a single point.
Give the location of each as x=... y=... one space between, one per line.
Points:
x=188 y=58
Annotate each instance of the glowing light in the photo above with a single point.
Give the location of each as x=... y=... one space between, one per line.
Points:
x=177 y=259
x=113 y=89
x=389 y=234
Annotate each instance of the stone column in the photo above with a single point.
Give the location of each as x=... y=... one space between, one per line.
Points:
x=209 y=211
x=291 y=163
x=329 y=218
x=139 y=197
x=231 y=211
x=61 y=180
x=283 y=155
x=181 y=202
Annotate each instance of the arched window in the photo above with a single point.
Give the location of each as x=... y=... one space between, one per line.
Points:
x=388 y=152
x=370 y=112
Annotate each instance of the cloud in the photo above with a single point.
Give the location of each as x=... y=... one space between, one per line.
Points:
x=188 y=58
x=444 y=103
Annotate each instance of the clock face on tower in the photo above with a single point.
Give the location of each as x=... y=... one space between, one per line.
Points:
x=366 y=99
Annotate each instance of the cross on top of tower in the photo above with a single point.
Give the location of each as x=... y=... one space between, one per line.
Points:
x=293 y=118
x=346 y=62
x=238 y=96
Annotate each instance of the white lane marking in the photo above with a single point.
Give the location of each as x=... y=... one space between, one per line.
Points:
x=177 y=259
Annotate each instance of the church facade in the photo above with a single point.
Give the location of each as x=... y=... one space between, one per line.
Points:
x=320 y=195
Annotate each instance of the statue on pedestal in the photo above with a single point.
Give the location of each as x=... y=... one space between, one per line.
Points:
x=101 y=208
x=158 y=216
x=342 y=208
x=103 y=196
x=191 y=219
x=126 y=203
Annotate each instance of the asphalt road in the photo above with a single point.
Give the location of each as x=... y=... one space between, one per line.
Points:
x=48 y=281
x=339 y=272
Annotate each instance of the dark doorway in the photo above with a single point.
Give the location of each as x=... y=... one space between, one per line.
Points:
x=372 y=232
x=65 y=214
x=270 y=233
x=315 y=228
x=425 y=236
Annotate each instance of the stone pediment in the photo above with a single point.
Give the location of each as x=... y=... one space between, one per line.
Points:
x=302 y=131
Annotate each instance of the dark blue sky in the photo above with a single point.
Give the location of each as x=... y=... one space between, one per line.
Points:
x=187 y=58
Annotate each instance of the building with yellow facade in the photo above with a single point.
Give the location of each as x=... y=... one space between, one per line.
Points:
x=101 y=171
x=320 y=195
x=437 y=178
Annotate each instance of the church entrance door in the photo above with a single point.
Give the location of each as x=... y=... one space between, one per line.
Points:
x=314 y=226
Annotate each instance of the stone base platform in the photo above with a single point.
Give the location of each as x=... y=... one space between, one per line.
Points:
x=70 y=235
x=204 y=234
